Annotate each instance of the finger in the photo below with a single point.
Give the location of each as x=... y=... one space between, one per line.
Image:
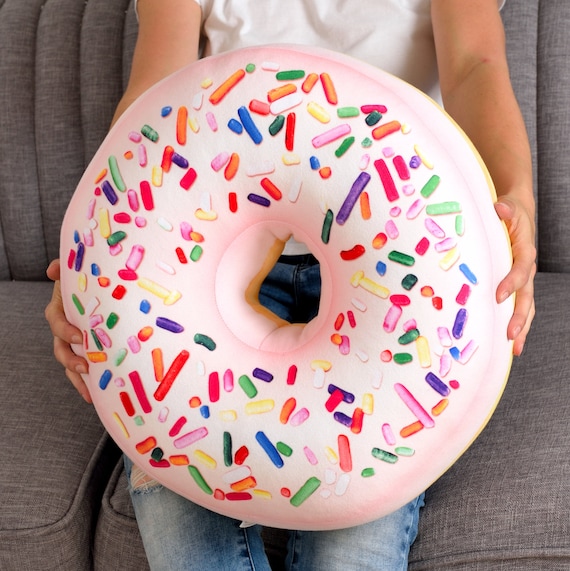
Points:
x=57 y=320
x=53 y=270
x=65 y=356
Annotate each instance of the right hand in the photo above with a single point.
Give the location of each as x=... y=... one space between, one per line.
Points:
x=65 y=334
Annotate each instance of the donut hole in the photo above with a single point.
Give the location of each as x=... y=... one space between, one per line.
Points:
x=256 y=293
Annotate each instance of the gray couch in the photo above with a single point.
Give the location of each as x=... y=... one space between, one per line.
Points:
x=63 y=498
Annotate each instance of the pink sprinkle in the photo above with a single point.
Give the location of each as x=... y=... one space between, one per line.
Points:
x=388 y=152
x=444 y=336
x=344 y=346
x=95 y=320
x=143 y=159
x=416 y=207
x=310 y=455
x=395 y=211
x=388 y=434
x=391 y=319
x=422 y=246
x=445 y=364
x=133 y=200
x=392 y=230
x=211 y=120
x=445 y=245
x=228 y=381
x=468 y=352
x=191 y=437
x=140 y=222
x=299 y=417
x=134 y=344
x=400 y=299
x=410 y=324
x=433 y=228
x=185 y=230
x=408 y=189
x=115 y=250
x=135 y=137
x=88 y=237
x=386 y=356
x=220 y=160
x=91 y=209
x=351 y=319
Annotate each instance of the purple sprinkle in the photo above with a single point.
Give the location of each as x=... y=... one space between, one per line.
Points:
x=262 y=375
x=415 y=162
x=358 y=186
x=437 y=384
x=257 y=199
x=109 y=192
x=180 y=161
x=343 y=418
x=459 y=325
x=169 y=325
x=79 y=256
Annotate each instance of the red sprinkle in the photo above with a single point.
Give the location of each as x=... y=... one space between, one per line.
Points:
x=463 y=294
x=351 y=319
x=437 y=302
x=188 y=179
x=259 y=107
x=181 y=256
x=127 y=403
x=271 y=189
x=357 y=420
x=119 y=292
x=232 y=199
x=290 y=131
x=128 y=275
x=339 y=321
x=122 y=218
x=400 y=299
x=354 y=253
x=292 y=375
x=241 y=455
x=422 y=246
x=334 y=400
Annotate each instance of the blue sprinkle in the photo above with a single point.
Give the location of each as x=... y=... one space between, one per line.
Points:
x=249 y=125
x=235 y=126
x=455 y=353
x=166 y=111
x=459 y=324
x=95 y=270
x=315 y=163
x=205 y=411
x=145 y=306
x=468 y=273
x=105 y=379
x=381 y=268
x=269 y=449
x=76 y=237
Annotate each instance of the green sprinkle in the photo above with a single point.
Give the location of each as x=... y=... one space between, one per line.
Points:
x=116 y=237
x=148 y=132
x=459 y=225
x=373 y=118
x=306 y=490
x=228 y=457
x=409 y=282
x=199 y=479
x=366 y=142
x=205 y=341
x=250 y=67
x=284 y=449
x=327 y=224
x=344 y=112
x=443 y=208
x=138 y=420
x=196 y=253
x=404 y=451
x=384 y=456
x=120 y=356
x=116 y=174
x=409 y=337
x=276 y=125
x=112 y=320
x=96 y=340
x=78 y=304
x=401 y=258
x=290 y=74
x=157 y=454
x=430 y=186
x=247 y=386
x=402 y=358
x=368 y=472
x=344 y=146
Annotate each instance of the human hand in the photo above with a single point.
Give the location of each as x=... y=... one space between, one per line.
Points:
x=64 y=334
x=520 y=280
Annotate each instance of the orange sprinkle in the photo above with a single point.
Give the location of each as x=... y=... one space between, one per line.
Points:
x=103 y=281
x=97 y=356
x=329 y=89
x=325 y=172
x=232 y=167
x=379 y=240
x=181 y=122
x=179 y=460
x=336 y=338
x=196 y=236
x=128 y=155
x=386 y=129
x=427 y=291
x=158 y=364
x=309 y=82
x=411 y=429
x=145 y=333
x=365 y=206
x=440 y=407
x=245 y=484
x=219 y=93
x=195 y=402
x=101 y=176
x=287 y=410
x=281 y=91
x=146 y=445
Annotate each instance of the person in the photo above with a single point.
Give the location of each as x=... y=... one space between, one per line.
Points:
x=448 y=48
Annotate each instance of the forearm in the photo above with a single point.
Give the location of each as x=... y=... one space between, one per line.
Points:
x=168 y=39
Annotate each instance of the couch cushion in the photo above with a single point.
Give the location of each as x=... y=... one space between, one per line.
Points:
x=55 y=457
x=504 y=504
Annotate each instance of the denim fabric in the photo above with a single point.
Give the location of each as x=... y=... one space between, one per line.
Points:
x=180 y=535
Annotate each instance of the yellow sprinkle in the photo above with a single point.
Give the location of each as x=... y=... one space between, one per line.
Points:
x=262 y=494
x=422 y=347
x=449 y=260
x=318 y=112
x=156 y=176
x=101 y=176
x=259 y=406
x=290 y=159
x=207 y=216
x=228 y=415
x=82 y=281
x=425 y=161
x=321 y=364
x=121 y=425
x=205 y=459
x=368 y=403
x=193 y=124
x=206 y=82
x=355 y=279
x=154 y=288
x=331 y=455
x=374 y=288
x=406 y=128
x=104 y=223
x=440 y=407
x=172 y=297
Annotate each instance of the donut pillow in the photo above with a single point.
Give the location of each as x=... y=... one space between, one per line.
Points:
x=185 y=209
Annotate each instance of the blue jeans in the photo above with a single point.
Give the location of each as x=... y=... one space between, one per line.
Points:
x=180 y=535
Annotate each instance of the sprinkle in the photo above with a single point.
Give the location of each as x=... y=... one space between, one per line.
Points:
x=437 y=209
x=306 y=490
x=401 y=258
x=437 y=384
x=276 y=125
x=345 y=112
x=414 y=406
x=310 y=82
x=327 y=224
x=220 y=92
x=386 y=129
x=285 y=103
x=249 y=125
x=148 y=132
x=199 y=479
x=344 y=146
x=350 y=201
x=262 y=375
x=385 y=456
x=171 y=375
x=260 y=200
x=468 y=273
x=430 y=186
x=331 y=135
x=269 y=449
x=247 y=386
x=169 y=325
x=318 y=112
x=387 y=180
x=290 y=75
x=205 y=341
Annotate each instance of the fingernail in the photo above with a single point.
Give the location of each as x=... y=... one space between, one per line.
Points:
x=77 y=339
x=81 y=369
